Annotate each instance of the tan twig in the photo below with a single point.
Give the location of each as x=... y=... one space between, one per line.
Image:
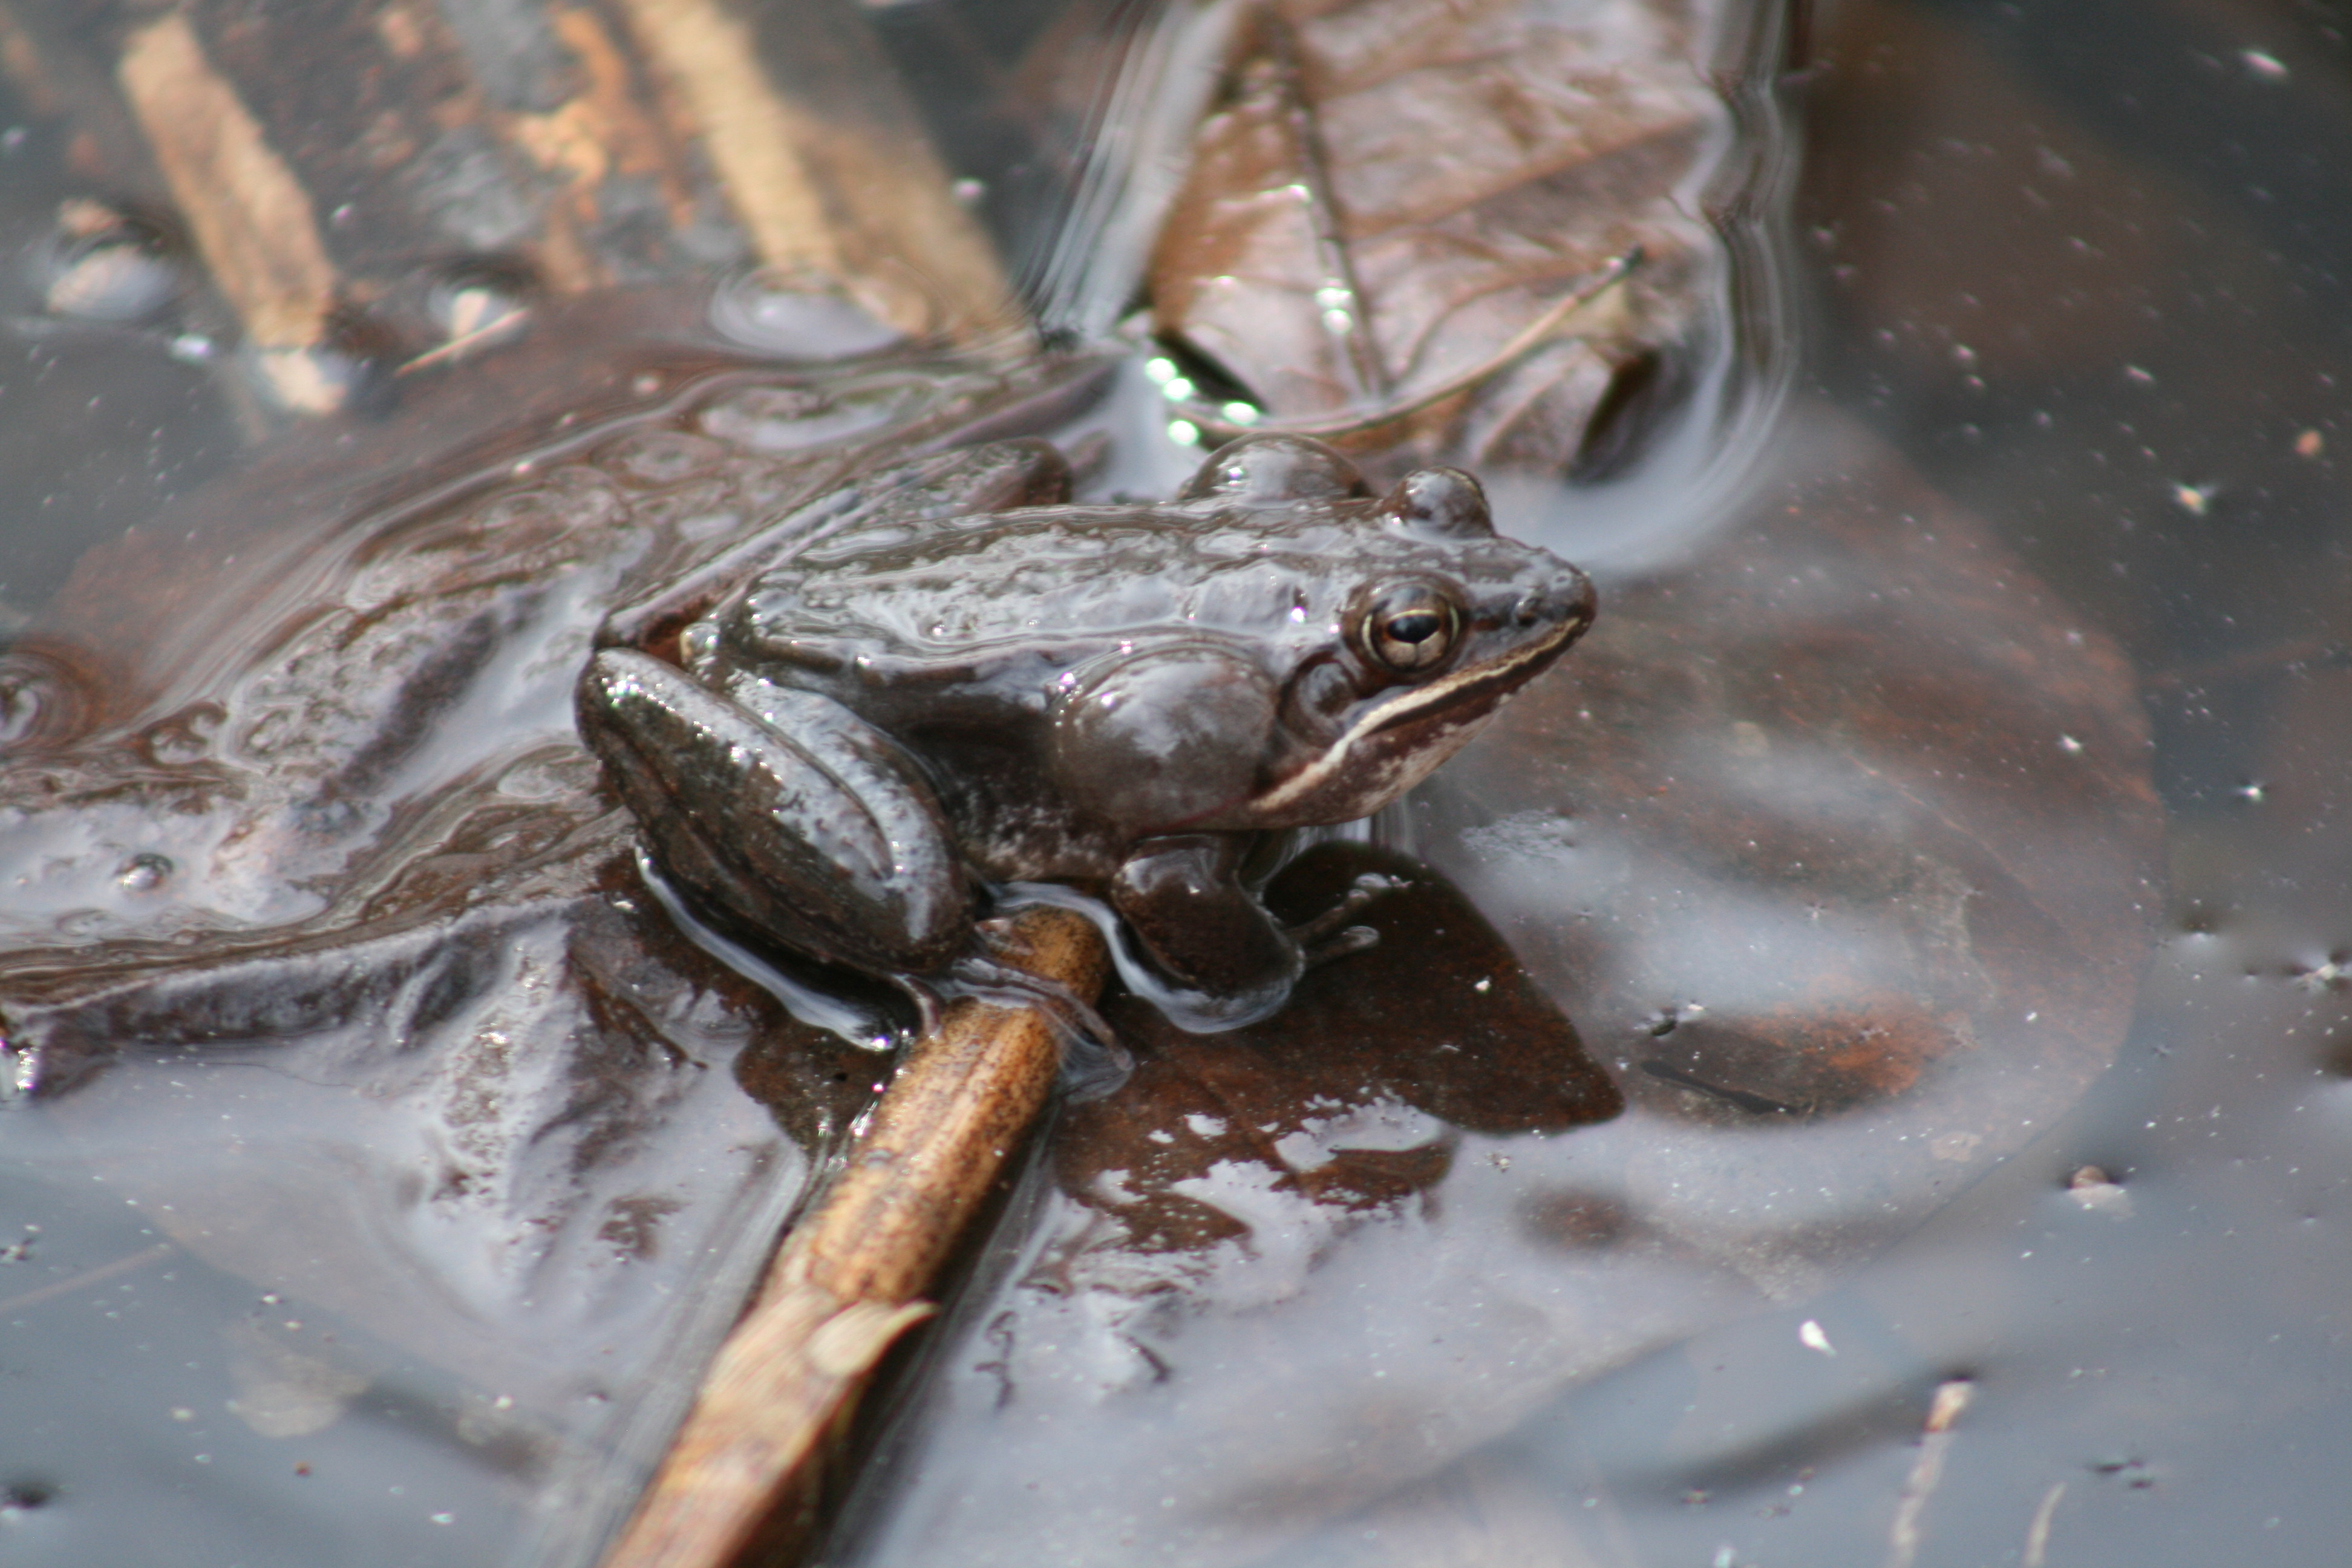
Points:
x=87 y=1278
x=2037 y=1534
x=495 y=332
x=1952 y=1396
x=741 y=1474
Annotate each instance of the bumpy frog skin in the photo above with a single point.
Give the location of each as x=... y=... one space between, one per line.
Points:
x=840 y=738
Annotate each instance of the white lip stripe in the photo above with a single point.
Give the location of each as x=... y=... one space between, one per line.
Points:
x=1320 y=771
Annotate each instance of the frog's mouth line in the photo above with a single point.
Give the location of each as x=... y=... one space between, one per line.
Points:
x=1472 y=692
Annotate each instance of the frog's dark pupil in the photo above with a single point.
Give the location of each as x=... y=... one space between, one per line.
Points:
x=1411 y=628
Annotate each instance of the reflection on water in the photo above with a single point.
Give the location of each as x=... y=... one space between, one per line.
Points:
x=1818 y=884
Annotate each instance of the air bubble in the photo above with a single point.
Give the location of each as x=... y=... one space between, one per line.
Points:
x=101 y=265
x=324 y=378
x=144 y=872
x=658 y=459
x=798 y=319
x=21 y=1498
x=180 y=739
x=44 y=702
x=478 y=300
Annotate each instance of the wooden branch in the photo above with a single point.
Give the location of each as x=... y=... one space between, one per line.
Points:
x=741 y=1474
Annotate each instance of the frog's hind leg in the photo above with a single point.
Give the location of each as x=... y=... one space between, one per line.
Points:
x=781 y=814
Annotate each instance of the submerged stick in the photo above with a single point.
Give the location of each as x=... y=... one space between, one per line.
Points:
x=644 y=145
x=741 y=1473
x=250 y=218
x=826 y=164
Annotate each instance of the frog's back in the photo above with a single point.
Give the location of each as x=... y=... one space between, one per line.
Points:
x=1055 y=581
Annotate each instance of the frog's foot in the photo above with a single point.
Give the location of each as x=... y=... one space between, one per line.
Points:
x=1327 y=936
x=1182 y=901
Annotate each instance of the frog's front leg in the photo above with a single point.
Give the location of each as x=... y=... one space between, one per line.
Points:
x=1190 y=902
x=1182 y=898
x=782 y=811
x=1185 y=899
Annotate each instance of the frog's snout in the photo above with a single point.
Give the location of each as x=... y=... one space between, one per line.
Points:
x=1568 y=600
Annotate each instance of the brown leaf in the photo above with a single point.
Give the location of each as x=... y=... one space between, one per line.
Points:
x=1818 y=826
x=1390 y=194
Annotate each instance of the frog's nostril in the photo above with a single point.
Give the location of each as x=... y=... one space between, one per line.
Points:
x=1567 y=601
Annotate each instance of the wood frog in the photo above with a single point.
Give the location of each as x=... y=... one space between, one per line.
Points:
x=868 y=724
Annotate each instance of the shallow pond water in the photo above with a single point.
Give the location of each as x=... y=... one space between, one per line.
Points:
x=2043 y=491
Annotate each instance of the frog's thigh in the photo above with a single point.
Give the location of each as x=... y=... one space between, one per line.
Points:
x=785 y=809
x=1182 y=897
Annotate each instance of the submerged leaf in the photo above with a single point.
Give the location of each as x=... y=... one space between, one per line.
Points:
x=1390 y=195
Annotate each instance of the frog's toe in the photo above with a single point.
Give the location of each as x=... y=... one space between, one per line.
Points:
x=1340 y=944
x=1317 y=936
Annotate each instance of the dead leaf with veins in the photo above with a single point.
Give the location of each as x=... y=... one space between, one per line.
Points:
x=1467 y=228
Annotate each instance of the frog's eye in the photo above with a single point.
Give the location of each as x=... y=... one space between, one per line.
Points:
x=1441 y=501
x=1411 y=628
